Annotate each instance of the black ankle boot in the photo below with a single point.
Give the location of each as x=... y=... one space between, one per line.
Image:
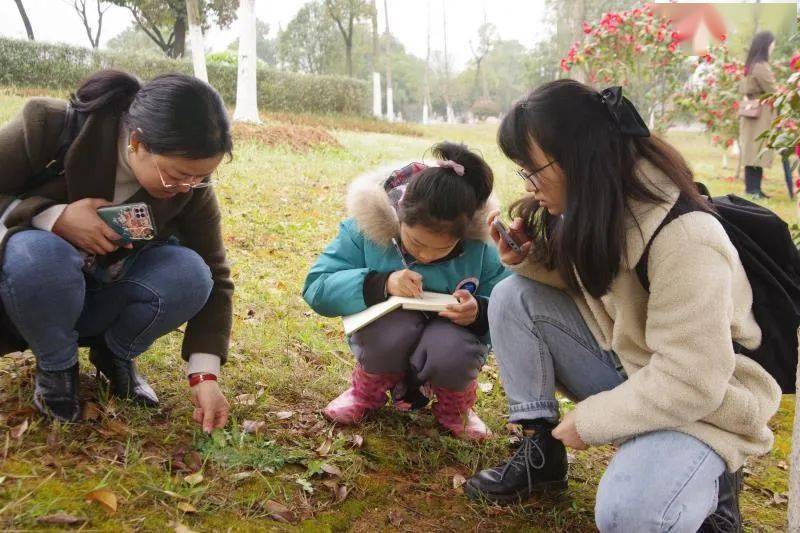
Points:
x=726 y=518
x=538 y=466
x=124 y=380
x=55 y=393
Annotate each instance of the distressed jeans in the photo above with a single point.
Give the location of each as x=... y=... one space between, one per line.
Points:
x=659 y=481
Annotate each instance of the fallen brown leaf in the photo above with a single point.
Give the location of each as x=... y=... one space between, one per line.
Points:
x=325 y=448
x=253 y=426
x=112 y=428
x=193 y=460
x=357 y=441
x=278 y=511
x=341 y=493
x=186 y=507
x=18 y=431
x=61 y=519
x=395 y=519
x=458 y=480
x=331 y=469
x=104 y=497
x=284 y=415
x=245 y=399
x=194 y=479
x=242 y=475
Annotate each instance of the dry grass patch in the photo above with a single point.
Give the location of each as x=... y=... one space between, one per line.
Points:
x=297 y=137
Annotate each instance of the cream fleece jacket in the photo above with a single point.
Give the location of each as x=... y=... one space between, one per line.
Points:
x=675 y=343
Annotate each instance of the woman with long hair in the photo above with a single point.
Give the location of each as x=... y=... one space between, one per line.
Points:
x=653 y=371
x=758 y=81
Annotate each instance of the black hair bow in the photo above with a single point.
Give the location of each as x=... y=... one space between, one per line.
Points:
x=624 y=113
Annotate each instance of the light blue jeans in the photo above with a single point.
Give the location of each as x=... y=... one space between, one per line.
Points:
x=659 y=481
x=53 y=304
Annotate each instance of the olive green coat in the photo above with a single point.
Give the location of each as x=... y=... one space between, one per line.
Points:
x=756 y=84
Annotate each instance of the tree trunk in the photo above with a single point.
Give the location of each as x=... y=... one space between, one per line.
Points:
x=794 y=466
x=179 y=44
x=25 y=19
x=246 y=82
x=349 y=46
x=447 y=101
x=377 y=107
x=426 y=89
x=389 y=87
x=196 y=36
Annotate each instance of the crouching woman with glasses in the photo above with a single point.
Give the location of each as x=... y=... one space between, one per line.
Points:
x=67 y=279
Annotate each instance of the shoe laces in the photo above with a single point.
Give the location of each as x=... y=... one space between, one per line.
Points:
x=525 y=455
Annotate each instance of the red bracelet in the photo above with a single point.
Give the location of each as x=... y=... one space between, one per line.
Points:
x=200 y=377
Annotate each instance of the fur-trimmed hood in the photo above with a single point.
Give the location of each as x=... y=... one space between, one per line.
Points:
x=370 y=206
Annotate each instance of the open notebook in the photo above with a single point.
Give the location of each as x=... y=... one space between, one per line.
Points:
x=430 y=301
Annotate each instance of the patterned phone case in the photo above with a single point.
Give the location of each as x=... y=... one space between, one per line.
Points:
x=133 y=222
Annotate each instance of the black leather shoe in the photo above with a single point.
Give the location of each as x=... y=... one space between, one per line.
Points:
x=538 y=466
x=55 y=393
x=726 y=518
x=122 y=376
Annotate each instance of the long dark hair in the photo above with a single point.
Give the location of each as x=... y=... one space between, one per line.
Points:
x=759 y=49
x=173 y=114
x=439 y=199
x=568 y=121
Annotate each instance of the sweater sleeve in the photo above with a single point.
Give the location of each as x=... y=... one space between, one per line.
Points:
x=335 y=284
x=688 y=330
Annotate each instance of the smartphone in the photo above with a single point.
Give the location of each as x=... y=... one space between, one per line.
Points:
x=501 y=229
x=133 y=222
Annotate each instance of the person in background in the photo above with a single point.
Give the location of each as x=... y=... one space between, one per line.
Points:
x=757 y=82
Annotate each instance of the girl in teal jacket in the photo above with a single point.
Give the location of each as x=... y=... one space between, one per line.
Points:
x=423 y=228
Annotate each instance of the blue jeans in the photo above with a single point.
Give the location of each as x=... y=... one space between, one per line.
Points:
x=659 y=481
x=53 y=303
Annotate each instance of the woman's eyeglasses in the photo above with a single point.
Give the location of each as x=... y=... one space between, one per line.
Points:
x=533 y=177
x=196 y=182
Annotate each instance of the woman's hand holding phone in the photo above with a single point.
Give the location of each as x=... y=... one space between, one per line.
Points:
x=80 y=225
x=516 y=232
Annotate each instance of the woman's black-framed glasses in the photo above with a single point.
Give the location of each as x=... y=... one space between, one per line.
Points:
x=533 y=177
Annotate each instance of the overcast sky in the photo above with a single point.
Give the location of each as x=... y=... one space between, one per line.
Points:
x=55 y=21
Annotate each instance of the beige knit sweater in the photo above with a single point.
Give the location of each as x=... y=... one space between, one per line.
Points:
x=675 y=342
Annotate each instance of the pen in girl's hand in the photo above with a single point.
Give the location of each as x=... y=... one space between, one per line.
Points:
x=403 y=259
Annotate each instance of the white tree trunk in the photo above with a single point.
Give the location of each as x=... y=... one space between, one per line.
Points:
x=425 y=111
x=794 y=465
x=246 y=82
x=196 y=38
x=390 y=104
x=377 y=106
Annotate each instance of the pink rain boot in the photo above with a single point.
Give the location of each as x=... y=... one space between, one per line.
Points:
x=453 y=410
x=368 y=391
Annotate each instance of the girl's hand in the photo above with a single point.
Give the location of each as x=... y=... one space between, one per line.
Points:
x=465 y=312
x=567 y=433
x=404 y=283
x=507 y=255
x=210 y=406
x=80 y=225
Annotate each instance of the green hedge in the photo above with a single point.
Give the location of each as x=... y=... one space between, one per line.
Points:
x=29 y=64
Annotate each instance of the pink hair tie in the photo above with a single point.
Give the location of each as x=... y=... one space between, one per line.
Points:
x=457 y=167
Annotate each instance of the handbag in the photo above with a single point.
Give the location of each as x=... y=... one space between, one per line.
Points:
x=749 y=108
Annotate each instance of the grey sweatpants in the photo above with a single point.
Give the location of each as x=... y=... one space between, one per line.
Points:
x=434 y=350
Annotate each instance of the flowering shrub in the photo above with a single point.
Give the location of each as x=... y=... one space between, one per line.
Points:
x=784 y=133
x=635 y=49
x=711 y=95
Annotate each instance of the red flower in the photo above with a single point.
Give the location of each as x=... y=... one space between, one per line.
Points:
x=724 y=37
x=795 y=62
x=637 y=48
x=675 y=36
x=587 y=29
x=729 y=142
x=708 y=59
x=716 y=139
x=660 y=36
x=673 y=46
x=797 y=152
x=735 y=105
x=564 y=66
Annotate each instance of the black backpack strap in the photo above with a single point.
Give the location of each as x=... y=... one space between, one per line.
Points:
x=681 y=207
x=73 y=122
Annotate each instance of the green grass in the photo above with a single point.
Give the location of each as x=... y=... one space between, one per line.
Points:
x=280 y=209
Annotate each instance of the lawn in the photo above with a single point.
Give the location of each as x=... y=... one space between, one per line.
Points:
x=279 y=465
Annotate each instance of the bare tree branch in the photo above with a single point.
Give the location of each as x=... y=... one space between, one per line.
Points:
x=25 y=20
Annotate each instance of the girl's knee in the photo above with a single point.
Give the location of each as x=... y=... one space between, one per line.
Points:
x=453 y=358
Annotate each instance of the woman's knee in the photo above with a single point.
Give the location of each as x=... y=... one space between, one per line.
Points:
x=180 y=277
x=40 y=261
x=520 y=296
